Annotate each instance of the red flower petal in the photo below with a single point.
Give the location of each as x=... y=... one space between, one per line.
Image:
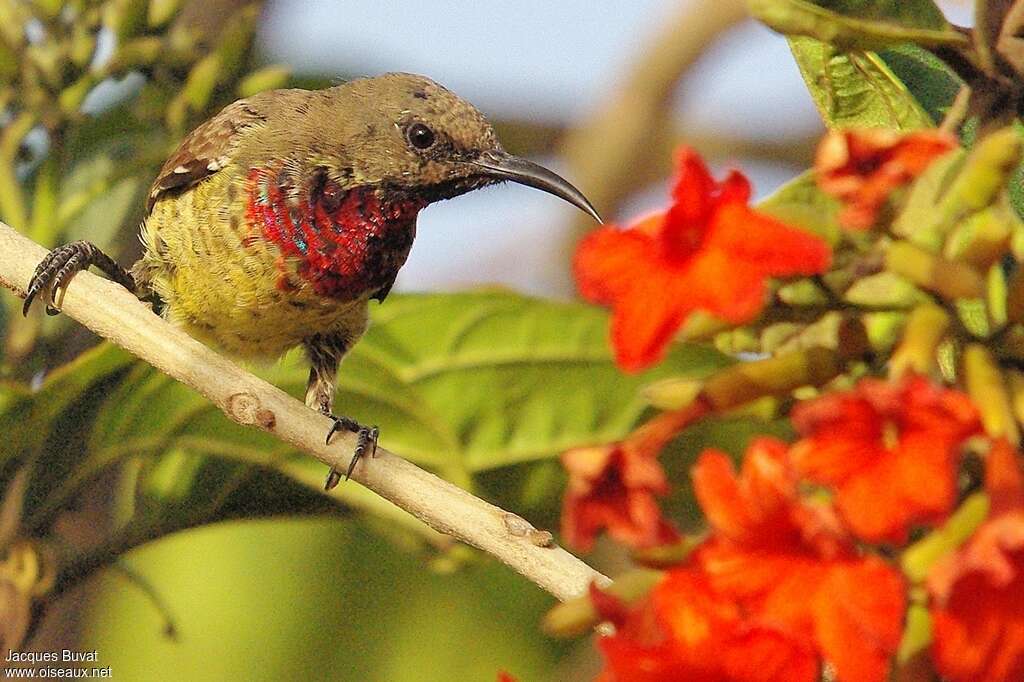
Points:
x=708 y=251
x=608 y=262
x=644 y=324
x=737 y=295
x=693 y=194
x=687 y=631
x=614 y=487
x=863 y=167
x=787 y=563
x=978 y=634
x=978 y=591
x=1004 y=480
x=901 y=439
x=764 y=242
x=754 y=507
x=858 y=618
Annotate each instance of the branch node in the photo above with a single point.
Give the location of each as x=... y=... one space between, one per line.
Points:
x=542 y=538
x=519 y=527
x=245 y=409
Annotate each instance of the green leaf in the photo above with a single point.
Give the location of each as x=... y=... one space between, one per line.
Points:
x=933 y=84
x=801 y=203
x=461 y=383
x=45 y=426
x=856 y=89
x=29 y=417
x=315 y=599
x=859 y=24
x=919 y=219
x=490 y=379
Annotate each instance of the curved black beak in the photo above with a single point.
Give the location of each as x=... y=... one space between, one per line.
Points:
x=502 y=166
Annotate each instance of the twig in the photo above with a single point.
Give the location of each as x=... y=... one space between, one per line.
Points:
x=115 y=314
x=957 y=112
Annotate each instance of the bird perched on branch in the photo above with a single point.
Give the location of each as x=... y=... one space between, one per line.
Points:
x=276 y=221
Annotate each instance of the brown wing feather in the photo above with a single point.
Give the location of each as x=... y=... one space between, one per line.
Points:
x=206 y=149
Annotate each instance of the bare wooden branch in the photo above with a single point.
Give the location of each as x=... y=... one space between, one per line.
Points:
x=115 y=314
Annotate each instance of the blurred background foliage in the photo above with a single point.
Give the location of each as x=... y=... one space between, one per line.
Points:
x=254 y=573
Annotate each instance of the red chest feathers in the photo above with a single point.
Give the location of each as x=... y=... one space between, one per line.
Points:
x=347 y=242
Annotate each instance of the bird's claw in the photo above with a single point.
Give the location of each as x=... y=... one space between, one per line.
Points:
x=366 y=439
x=54 y=273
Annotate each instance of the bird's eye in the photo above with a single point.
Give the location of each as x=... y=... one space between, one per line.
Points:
x=420 y=136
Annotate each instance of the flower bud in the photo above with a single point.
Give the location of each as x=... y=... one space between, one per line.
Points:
x=578 y=616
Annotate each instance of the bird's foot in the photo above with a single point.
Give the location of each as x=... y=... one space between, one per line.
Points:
x=55 y=271
x=366 y=439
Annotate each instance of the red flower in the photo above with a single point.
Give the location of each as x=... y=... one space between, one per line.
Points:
x=788 y=563
x=863 y=167
x=709 y=251
x=889 y=450
x=615 y=486
x=685 y=630
x=978 y=592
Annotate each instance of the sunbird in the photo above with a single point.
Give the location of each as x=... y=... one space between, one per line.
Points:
x=275 y=222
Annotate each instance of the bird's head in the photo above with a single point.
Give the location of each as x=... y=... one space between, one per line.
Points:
x=410 y=134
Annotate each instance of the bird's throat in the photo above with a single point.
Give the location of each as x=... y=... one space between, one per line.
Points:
x=344 y=242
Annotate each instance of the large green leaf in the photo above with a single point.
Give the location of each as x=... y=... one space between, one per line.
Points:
x=856 y=89
x=461 y=383
x=859 y=24
x=495 y=378
x=311 y=599
x=933 y=84
x=30 y=416
x=464 y=382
